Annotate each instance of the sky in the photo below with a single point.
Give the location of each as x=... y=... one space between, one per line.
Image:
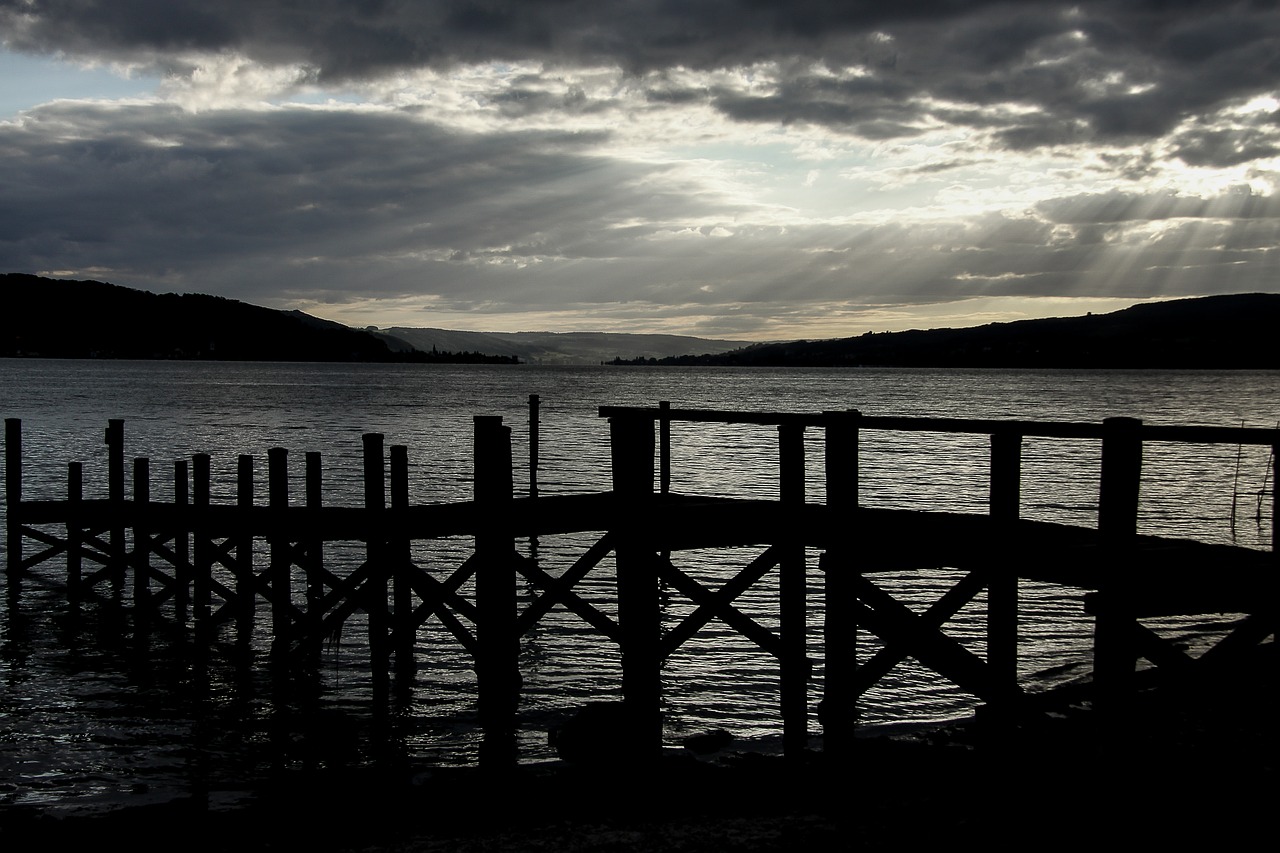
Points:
x=743 y=169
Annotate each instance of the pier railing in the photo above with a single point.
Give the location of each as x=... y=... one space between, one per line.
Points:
x=196 y=562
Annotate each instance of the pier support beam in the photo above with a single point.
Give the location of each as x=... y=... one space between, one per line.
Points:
x=1002 y=574
x=794 y=665
x=1115 y=648
x=840 y=626
x=632 y=448
x=497 y=661
x=13 y=502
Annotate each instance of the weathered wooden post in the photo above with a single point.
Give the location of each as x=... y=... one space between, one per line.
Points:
x=631 y=447
x=202 y=547
x=114 y=440
x=402 y=591
x=1114 y=606
x=314 y=541
x=281 y=562
x=1002 y=574
x=181 y=541
x=497 y=659
x=838 y=565
x=141 y=543
x=13 y=501
x=246 y=591
x=533 y=444
x=794 y=663
x=664 y=447
x=75 y=533
x=375 y=595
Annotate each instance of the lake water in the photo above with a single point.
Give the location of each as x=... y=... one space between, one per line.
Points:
x=85 y=720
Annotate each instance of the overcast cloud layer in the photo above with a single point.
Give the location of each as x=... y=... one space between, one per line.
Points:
x=733 y=168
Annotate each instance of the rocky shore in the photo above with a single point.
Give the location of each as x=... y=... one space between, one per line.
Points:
x=1179 y=767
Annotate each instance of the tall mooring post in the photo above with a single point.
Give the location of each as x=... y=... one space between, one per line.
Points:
x=1002 y=575
x=497 y=659
x=1114 y=605
x=794 y=663
x=280 y=568
x=114 y=440
x=375 y=593
x=631 y=442
x=13 y=501
x=839 y=565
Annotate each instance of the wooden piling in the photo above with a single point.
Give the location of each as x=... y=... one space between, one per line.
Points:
x=534 y=426
x=1114 y=606
x=202 y=548
x=1002 y=574
x=314 y=542
x=400 y=556
x=141 y=543
x=246 y=581
x=13 y=500
x=114 y=440
x=375 y=599
x=838 y=566
x=497 y=659
x=794 y=663
x=631 y=449
x=75 y=533
x=181 y=541
x=280 y=569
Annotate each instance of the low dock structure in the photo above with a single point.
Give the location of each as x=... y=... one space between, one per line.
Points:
x=218 y=569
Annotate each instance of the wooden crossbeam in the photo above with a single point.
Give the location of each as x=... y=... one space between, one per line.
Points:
x=894 y=622
x=433 y=600
x=730 y=615
x=1251 y=631
x=712 y=604
x=935 y=616
x=560 y=591
x=1158 y=650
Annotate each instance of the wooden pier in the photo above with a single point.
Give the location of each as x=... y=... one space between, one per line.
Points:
x=218 y=568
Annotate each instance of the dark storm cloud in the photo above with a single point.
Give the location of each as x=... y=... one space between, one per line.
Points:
x=148 y=191
x=1109 y=71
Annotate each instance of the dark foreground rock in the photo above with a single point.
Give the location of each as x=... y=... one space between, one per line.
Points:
x=1180 y=768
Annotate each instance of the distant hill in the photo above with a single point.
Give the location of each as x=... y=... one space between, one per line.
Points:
x=562 y=347
x=1227 y=332
x=91 y=319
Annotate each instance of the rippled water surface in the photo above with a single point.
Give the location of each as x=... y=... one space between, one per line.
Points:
x=90 y=713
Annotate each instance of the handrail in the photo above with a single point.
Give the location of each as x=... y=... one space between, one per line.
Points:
x=980 y=426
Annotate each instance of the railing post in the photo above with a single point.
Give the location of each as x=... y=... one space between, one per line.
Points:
x=401 y=592
x=202 y=547
x=75 y=533
x=533 y=445
x=631 y=442
x=314 y=544
x=246 y=592
x=1114 y=651
x=1002 y=582
x=497 y=664
x=375 y=504
x=838 y=565
x=664 y=447
x=281 y=580
x=141 y=542
x=794 y=663
x=13 y=500
x=114 y=440
x=181 y=541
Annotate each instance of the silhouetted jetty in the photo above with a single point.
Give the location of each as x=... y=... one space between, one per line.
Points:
x=195 y=563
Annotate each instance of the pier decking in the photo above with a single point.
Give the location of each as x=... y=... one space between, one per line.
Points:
x=218 y=568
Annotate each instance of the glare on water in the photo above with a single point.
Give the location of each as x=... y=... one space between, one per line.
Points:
x=84 y=721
